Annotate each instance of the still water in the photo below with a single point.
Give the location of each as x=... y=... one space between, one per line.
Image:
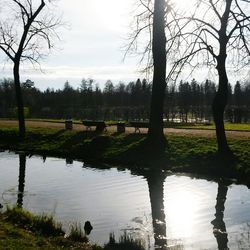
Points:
x=163 y=209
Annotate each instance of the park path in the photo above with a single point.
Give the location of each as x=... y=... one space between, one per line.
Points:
x=182 y=132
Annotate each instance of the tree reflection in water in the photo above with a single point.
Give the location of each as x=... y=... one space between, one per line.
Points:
x=155 y=181
x=219 y=227
x=21 y=179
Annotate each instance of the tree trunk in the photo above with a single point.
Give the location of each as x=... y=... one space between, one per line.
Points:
x=219 y=105
x=19 y=99
x=220 y=100
x=155 y=133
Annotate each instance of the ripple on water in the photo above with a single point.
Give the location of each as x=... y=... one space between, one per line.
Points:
x=115 y=201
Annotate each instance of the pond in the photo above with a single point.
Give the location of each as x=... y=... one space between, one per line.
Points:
x=161 y=208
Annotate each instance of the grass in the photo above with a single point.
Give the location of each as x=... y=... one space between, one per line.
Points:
x=20 y=229
x=76 y=233
x=184 y=153
x=41 y=224
x=210 y=126
x=126 y=242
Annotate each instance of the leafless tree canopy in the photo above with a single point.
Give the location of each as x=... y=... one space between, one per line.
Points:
x=27 y=29
x=201 y=38
x=35 y=43
x=140 y=38
x=193 y=36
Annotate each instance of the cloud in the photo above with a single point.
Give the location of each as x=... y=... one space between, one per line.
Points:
x=55 y=76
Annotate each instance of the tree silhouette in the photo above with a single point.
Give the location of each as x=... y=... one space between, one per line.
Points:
x=217 y=29
x=155 y=132
x=152 y=27
x=22 y=37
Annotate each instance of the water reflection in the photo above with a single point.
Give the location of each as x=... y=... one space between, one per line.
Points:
x=243 y=240
x=219 y=226
x=156 y=181
x=180 y=218
x=69 y=161
x=44 y=158
x=21 y=179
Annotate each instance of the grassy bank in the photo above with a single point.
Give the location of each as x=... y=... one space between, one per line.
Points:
x=20 y=229
x=184 y=153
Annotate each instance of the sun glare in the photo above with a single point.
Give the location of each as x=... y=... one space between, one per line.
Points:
x=184 y=5
x=112 y=13
x=180 y=209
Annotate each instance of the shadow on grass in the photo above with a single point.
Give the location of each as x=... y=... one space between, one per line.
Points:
x=9 y=135
x=211 y=164
x=86 y=144
x=133 y=149
x=181 y=157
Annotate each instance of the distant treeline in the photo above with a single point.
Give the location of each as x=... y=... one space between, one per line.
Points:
x=185 y=101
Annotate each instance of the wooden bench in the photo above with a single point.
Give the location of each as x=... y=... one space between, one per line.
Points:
x=100 y=126
x=138 y=125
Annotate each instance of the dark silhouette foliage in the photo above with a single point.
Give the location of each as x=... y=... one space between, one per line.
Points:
x=185 y=102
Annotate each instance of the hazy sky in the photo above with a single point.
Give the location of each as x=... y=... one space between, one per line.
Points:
x=92 y=46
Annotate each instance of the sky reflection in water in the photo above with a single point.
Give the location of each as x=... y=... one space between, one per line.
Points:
x=163 y=209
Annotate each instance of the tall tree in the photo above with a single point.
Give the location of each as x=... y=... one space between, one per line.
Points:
x=22 y=37
x=220 y=29
x=154 y=36
x=221 y=97
x=155 y=132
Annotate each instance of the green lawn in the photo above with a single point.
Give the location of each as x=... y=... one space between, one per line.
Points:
x=228 y=126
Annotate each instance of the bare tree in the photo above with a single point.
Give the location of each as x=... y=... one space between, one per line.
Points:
x=218 y=34
x=155 y=132
x=149 y=34
x=26 y=30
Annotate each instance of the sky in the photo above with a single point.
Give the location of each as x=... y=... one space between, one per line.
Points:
x=91 y=46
